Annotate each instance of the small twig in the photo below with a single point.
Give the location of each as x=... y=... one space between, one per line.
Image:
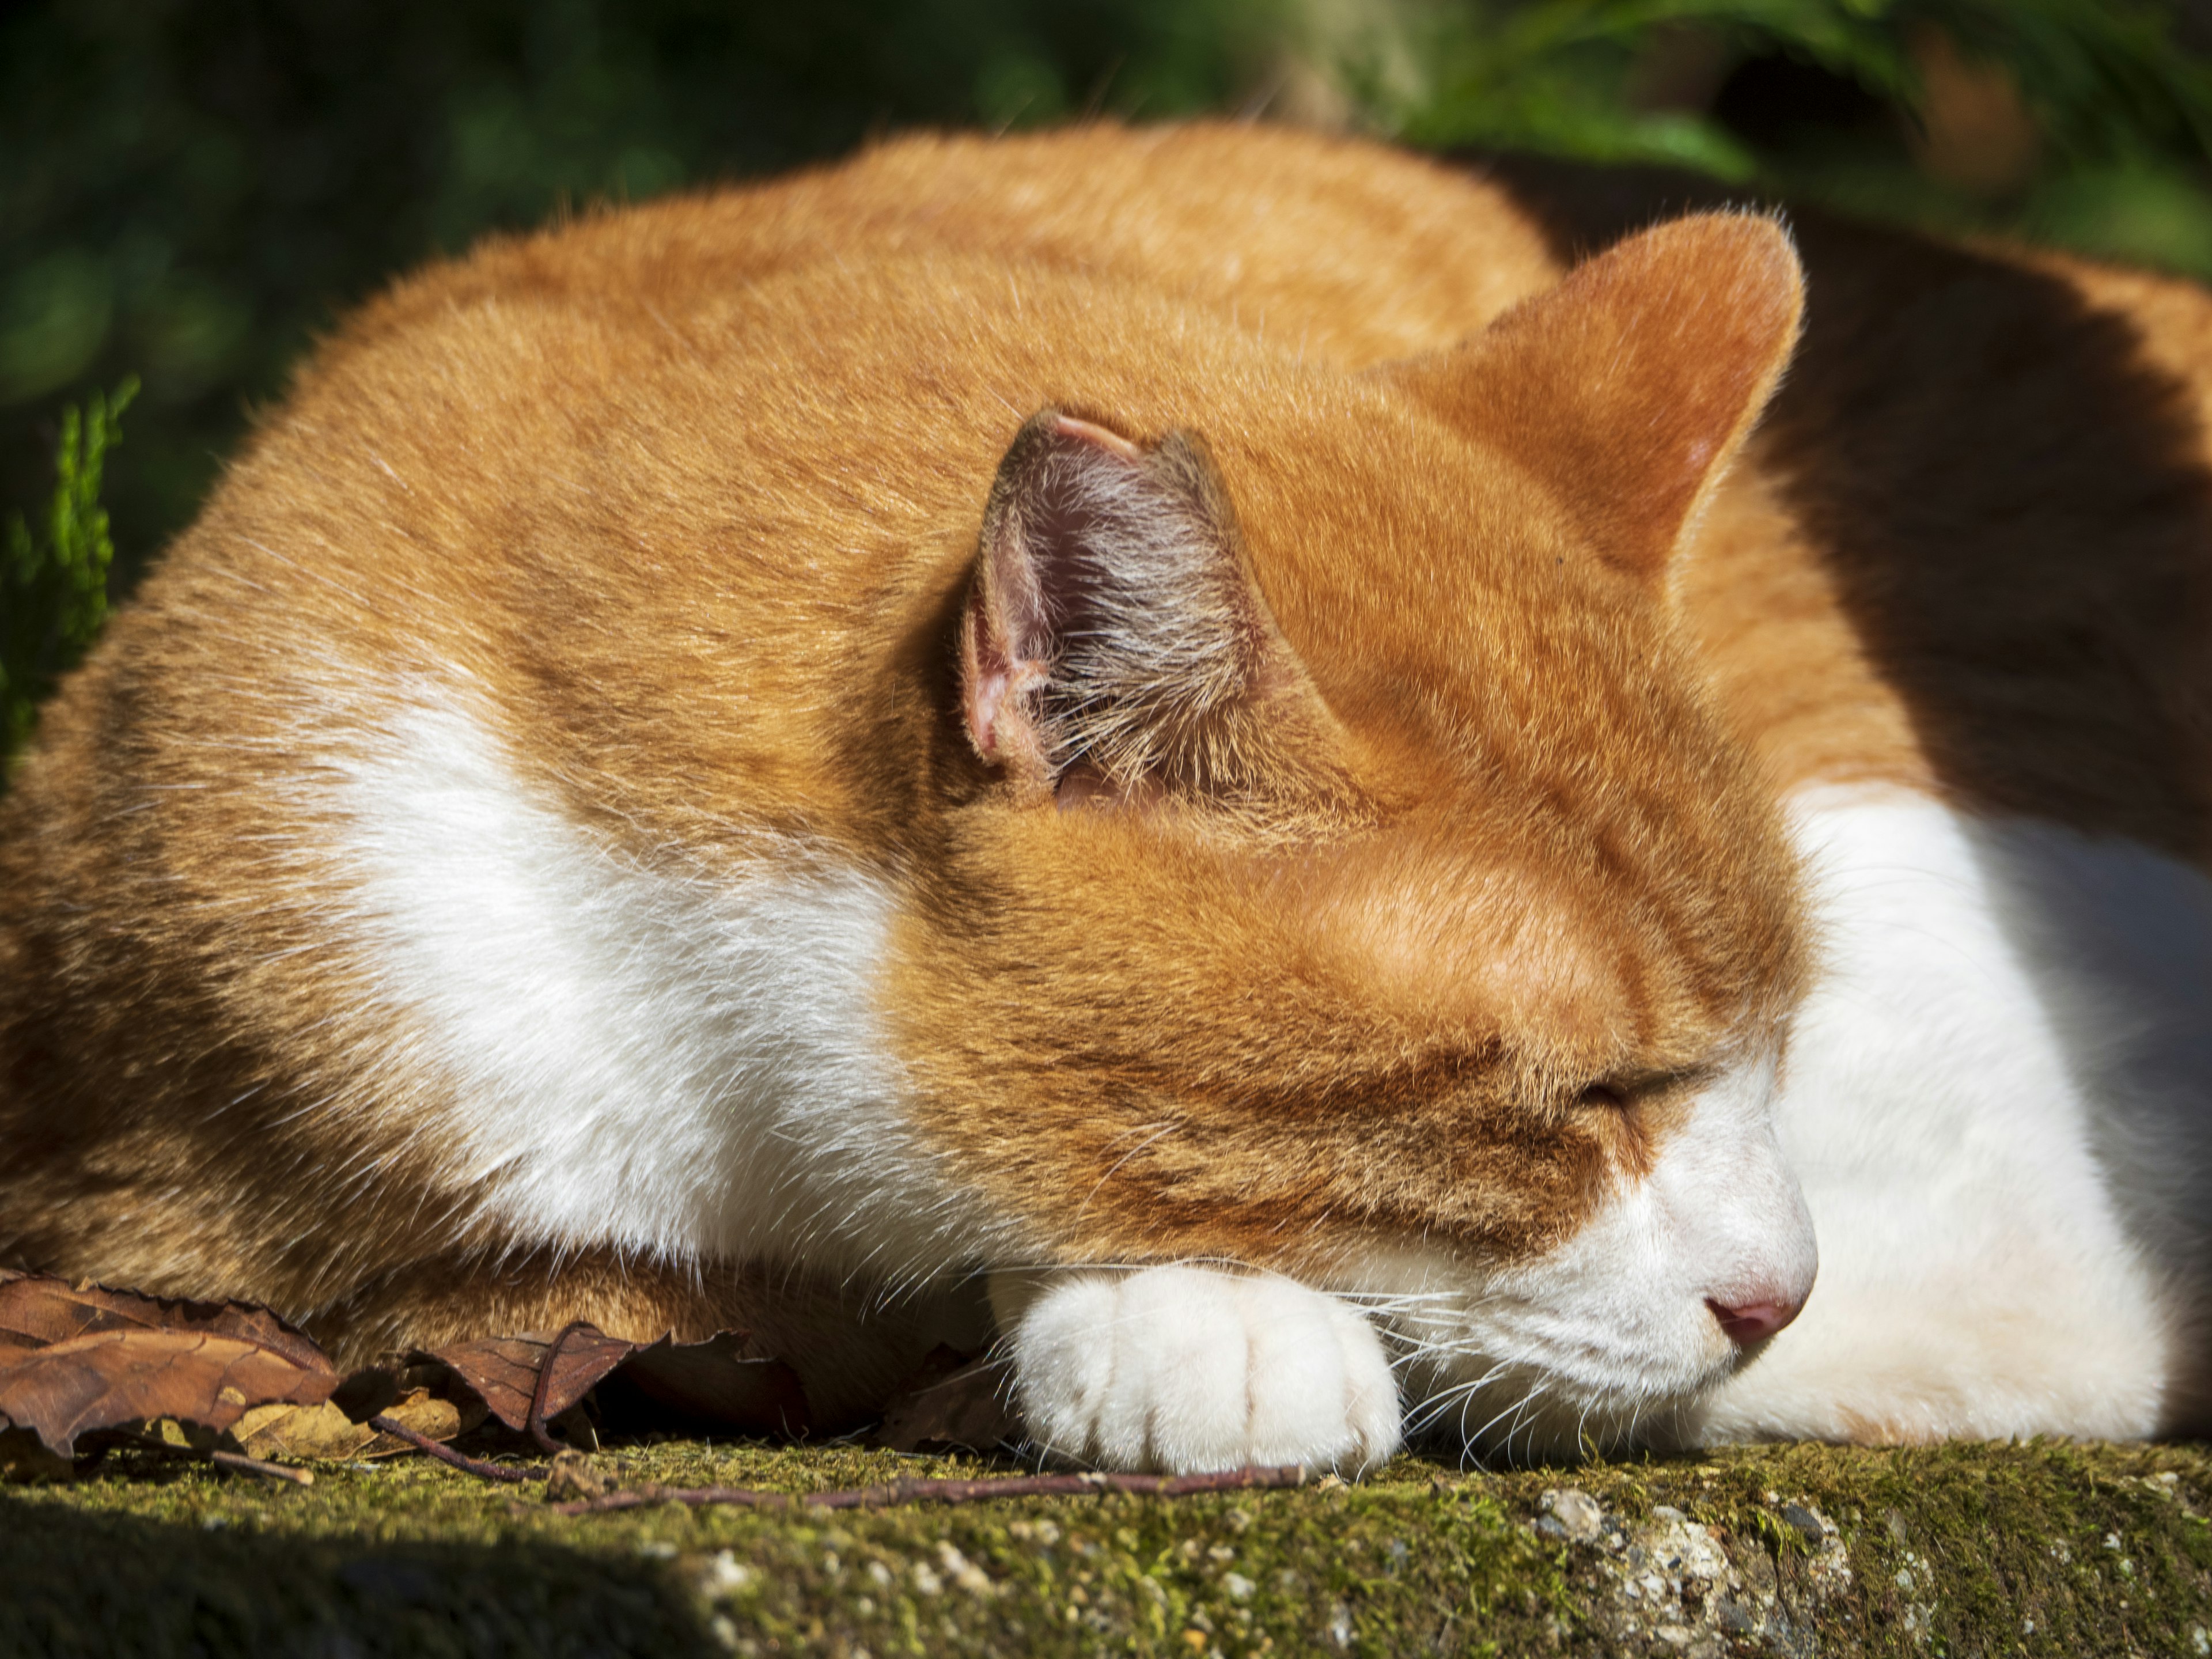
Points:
x=239 y=1463
x=945 y=1491
x=444 y=1454
x=535 y=1421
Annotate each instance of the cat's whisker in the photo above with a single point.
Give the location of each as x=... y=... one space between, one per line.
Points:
x=1508 y=1411
x=1430 y=1410
x=1462 y=1393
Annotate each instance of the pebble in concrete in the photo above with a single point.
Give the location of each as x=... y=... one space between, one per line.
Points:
x=1666 y=1585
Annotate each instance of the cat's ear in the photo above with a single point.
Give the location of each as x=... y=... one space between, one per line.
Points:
x=1110 y=633
x=1629 y=387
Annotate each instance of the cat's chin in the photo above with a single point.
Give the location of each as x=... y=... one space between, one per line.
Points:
x=1527 y=1412
x=1484 y=1399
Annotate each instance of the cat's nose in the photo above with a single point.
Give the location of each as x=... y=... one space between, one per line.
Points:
x=1747 y=1322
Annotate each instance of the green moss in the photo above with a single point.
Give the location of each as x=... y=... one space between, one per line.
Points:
x=2035 y=1549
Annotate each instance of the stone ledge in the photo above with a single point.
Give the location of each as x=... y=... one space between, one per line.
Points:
x=1793 y=1551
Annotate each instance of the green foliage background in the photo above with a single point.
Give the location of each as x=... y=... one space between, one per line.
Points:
x=53 y=579
x=191 y=189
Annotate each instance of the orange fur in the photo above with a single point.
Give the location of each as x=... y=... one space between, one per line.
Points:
x=687 y=501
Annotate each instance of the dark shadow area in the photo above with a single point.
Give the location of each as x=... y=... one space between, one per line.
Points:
x=2118 y=944
x=2012 y=500
x=1775 y=102
x=80 y=1582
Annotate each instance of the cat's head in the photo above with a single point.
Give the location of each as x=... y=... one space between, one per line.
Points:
x=1344 y=871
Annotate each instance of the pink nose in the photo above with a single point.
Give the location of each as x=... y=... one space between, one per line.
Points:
x=1752 y=1321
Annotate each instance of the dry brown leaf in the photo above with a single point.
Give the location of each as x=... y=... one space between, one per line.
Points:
x=322 y=1432
x=720 y=1383
x=37 y=1311
x=503 y=1371
x=427 y=1413
x=76 y=1359
x=114 y=1377
x=949 y=1401
x=79 y=1359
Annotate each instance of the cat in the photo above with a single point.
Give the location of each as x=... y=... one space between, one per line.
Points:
x=1185 y=733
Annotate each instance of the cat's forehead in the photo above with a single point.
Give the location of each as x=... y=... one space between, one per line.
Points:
x=1469 y=947
x=1475 y=940
x=1415 y=569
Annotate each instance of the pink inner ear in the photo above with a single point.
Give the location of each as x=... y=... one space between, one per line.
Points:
x=984 y=696
x=1067 y=426
x=993 y=675
x=998 y=671
x=987 y=677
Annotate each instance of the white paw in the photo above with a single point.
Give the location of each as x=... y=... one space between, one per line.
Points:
x=1186 y=1369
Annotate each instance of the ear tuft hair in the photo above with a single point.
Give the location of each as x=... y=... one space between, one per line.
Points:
x=1111 y=632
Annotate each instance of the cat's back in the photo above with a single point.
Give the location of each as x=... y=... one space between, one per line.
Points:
x=1338 y=247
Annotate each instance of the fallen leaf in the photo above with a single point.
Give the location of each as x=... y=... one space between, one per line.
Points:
x=324 y=1433
x=78 y=1358
x=720 y=1383
x=114 y=1377
x=37 y=1311
x=201 y=1376
x=318 y=1432
x=427 y=1413
x=949 y=1400
x=503 y=1371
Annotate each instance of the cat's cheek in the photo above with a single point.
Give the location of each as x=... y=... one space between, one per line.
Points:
x=1630 y=1313
x=1683 y=1269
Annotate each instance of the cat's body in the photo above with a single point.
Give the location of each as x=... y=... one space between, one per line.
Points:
x=582 y=828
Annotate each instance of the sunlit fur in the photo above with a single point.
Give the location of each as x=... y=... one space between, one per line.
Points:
x=583 y=824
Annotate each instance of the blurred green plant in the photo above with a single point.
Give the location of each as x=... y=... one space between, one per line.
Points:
x=2111 y=122
x=2104 y=78
x=192 y=189
x=53 y=580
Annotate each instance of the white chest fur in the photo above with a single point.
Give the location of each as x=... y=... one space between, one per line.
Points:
x=1997 y=1101
x=634 y=1053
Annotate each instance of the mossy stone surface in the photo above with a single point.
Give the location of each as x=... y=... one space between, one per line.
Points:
x=2033 y=1549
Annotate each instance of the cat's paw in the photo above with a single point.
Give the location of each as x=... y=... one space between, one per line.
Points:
x=1186 y=1369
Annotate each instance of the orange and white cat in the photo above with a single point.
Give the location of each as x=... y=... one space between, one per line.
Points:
x=1185 y=726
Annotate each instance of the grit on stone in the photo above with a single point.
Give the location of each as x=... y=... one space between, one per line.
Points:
x=2052 y=1549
